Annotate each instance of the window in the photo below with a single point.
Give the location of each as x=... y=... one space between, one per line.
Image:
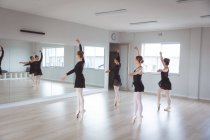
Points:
x=151 y=54
x=53 y=57
x=94 y=57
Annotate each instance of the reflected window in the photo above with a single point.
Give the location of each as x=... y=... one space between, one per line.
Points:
x=151 y=54
x=94 y=57
x=53 y=57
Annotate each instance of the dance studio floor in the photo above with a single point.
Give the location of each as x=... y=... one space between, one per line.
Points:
x=55 y=120
x=22 y=90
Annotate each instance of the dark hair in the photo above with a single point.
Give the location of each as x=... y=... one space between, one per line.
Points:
x=36 y=56
x=31 y=57
x=140 y=59
x=166 y=61
x=80 y=54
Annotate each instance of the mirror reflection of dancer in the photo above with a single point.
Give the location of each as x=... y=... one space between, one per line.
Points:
x=79 y=81
x=1 y=57
x=37 y=69
x=117 y=79
x=31 y=68
x=138 y=85
x=164 y=84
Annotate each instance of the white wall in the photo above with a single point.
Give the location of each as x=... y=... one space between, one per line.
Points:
x=15 y=52
x=57 y=31
x=186 y=83
x=204 y=85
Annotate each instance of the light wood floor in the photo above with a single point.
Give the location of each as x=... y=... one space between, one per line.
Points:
x=22 y=90
x=55 y=120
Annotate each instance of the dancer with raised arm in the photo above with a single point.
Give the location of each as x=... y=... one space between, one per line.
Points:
x=37 y=69
x=79 y=80
x=138 y=86
x=117 y=80
x=31 y=69
x=2 y=56
x=164 y=84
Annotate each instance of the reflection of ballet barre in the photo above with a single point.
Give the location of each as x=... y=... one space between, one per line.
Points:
x=15 y=75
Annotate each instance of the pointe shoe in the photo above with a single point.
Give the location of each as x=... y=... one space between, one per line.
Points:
x=158 y=107
x=167 y=109
x=77 y=114
x=115 y=103
x=134 y=119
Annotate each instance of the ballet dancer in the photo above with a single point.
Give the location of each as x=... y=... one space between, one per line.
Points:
x=37 y=69
x=164 y=84
x=117 y=79
x=31 y=68
x=79 y=80
x=138 y=86
x=2 y=56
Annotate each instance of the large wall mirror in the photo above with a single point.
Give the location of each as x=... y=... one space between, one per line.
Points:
x=16 y=83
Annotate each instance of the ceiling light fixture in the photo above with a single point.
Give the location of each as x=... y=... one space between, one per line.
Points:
x=145 y=22
x=181 y=1
x=111 y=12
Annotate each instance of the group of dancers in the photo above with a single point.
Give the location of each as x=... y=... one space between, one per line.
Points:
x=164 y=84
x=34 y=69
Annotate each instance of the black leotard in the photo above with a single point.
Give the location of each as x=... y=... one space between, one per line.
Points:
x=115 y=70
x=78 y=70
x=165 y=82
x=137 y=82
x=2 y=56
x=32 y=67
x=37 y=66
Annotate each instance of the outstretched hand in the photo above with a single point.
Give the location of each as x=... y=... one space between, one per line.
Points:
x=107 y=71
x=136 y=48
x=78 y=41
x=63 y=78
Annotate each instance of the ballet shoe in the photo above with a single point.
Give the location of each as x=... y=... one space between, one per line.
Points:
x=77 y=114
x=134 y=119
x=167 y=109
x=115 y=103
x=158 y=107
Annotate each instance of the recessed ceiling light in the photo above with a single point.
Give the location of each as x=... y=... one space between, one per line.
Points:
x=111 y=12
x=144 y=22
x=205 y=16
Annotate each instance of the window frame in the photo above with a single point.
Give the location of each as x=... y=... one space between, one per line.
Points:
x=44 y=55
x=94 y=58
x=162 y=43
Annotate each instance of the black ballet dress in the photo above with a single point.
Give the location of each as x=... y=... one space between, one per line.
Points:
x=137 y=82
x=37 y=66
x=32 y=67
x=165 y=82
x=2 y=56
x=78 y=70
x=115 y=70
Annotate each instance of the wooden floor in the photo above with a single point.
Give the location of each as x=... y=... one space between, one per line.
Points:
x=21 y=90
x=55 y=120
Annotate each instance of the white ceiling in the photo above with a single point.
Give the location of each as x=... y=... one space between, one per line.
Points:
x=168 y=13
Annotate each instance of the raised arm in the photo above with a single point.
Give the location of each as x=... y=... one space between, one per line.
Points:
x=161 y=59
x=80 y=48
x=137 y=50
x=2 y=53
x=41 y=56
